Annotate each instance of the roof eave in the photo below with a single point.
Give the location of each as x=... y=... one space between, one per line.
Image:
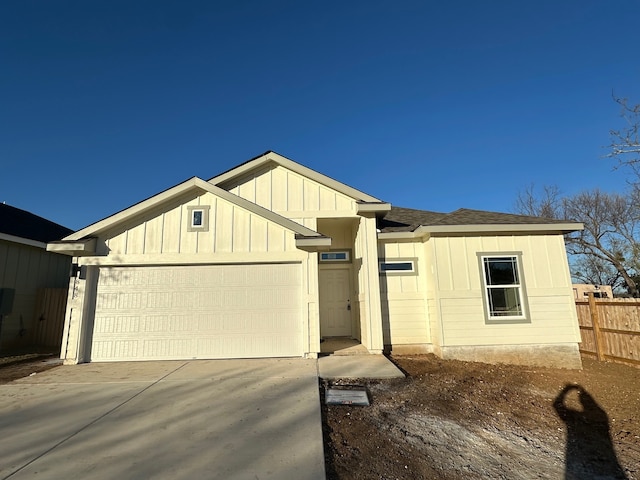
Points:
x=401 y=235
x=136 y=209
x=79 y=248
x=22 y=240
x=373 y=207
x=313 y=243
x=504 y=228
x=194 y=183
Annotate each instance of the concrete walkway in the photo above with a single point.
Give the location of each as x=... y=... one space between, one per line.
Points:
x=222 y=419
x=357 y=366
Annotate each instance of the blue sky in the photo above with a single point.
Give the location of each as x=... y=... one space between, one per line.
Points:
x=432 y=105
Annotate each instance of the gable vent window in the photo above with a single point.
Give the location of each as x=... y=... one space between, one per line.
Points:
x=398 y=267
x=198 y=218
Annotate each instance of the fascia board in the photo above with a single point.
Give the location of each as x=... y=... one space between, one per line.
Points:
x=22 y=241
x=313 y=243
x=136 y=209
x=400 y=235
x=373 y=207
x=297 y=168
x=180 y=189
x=76 y=249
x=501 y=228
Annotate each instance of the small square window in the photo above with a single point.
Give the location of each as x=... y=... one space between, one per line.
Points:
x=198 y=218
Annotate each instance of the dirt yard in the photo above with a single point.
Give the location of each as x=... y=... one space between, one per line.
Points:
x=22 y=365
x=463 y=420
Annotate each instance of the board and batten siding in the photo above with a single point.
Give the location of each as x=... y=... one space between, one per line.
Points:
x=232 y=229
x=26 y=269
x=287 y=193
x=162 y=237
x=404 y=307
x=460 y=295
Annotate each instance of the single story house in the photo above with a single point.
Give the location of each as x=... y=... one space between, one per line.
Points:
x=268 y=258
x=26 y=267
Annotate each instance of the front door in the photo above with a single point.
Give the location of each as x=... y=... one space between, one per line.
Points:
x=335 y=306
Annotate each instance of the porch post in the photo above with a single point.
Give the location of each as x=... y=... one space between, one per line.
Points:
x=372 y=284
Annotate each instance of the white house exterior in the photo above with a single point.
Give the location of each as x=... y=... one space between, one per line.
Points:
x=268 y=258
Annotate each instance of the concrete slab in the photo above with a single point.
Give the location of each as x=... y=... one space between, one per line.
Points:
x=357 y=366
x=263 y=368
x=113 y=372
x=200 y=419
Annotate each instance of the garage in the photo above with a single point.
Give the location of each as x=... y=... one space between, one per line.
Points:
x=197 y=312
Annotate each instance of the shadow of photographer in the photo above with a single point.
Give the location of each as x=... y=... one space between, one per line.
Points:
x=589 y=451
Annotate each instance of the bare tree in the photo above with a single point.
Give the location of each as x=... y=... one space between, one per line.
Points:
x=547 y=204
x=625 y=142
x=611 y=226
x=593 y=270
x=607 y=248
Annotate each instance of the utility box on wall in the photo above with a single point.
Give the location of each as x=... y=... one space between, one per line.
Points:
x=6 y=300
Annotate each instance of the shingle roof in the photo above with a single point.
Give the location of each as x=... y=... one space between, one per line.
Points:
x=20 y=223
x=407 y=219
x=401 y=219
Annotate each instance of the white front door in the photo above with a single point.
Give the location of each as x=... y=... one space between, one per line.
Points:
x=335 y=306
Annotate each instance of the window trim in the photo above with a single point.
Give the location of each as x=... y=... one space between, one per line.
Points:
x=525 y=317
x=205 y=218
x=346 y=251
x=412 y=260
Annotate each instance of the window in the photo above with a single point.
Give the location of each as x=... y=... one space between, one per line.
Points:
x=341 y=256
x=503 y=288
x=400 y=266
x=198 y=218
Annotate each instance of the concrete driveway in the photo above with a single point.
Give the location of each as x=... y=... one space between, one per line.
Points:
x=219 y=419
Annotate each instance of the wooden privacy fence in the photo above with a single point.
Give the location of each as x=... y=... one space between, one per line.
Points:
x=50 y=309
x=610 y=328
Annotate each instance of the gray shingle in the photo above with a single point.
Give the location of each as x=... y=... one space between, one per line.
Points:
x=23 y=224
x=401 y=219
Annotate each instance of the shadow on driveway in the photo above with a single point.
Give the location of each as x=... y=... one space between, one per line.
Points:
x=218 y=419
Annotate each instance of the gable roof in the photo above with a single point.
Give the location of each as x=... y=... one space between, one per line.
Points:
x=272 y=157
x=24 y=225
x=409 y=220
x=193 y=184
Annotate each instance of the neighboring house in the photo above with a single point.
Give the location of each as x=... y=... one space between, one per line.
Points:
x=25 y=268
x=268 y=258
x=581 y=291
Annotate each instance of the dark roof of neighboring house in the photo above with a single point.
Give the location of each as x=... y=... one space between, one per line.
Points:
x=20 y=223
x=407 y=219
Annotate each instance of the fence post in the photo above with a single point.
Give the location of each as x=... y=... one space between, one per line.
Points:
x=595 y=321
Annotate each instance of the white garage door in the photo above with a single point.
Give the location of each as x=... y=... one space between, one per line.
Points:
x=212 y=311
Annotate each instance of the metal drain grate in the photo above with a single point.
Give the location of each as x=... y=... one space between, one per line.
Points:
x=347 y=396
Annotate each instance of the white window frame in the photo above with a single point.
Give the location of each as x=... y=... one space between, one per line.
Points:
x=204 y=226
x=490 y=317
x=412 y=261
x=347 y=258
